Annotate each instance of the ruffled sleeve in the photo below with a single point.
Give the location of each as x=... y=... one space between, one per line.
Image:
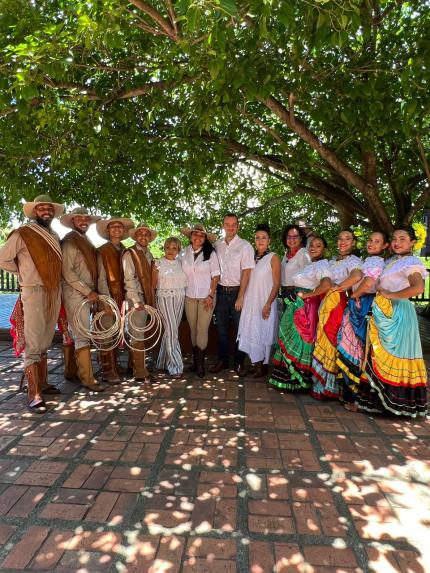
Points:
x=321 y=270
x=373 y=267
x=354 y=263
x=411 y=265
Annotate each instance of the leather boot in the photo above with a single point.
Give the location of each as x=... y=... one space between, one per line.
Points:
x=35 y=402
x=43 y=376
x=85 y=369
x=193 y=365
x=109 y=367
x=70 y=368
x=140 y=370
x=200 y=362
x=260 y=370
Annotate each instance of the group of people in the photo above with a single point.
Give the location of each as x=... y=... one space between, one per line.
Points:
x=349 y=330
x=343 y=328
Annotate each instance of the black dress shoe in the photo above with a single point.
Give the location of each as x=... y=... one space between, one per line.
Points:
x=218 y=367
x=240 y=370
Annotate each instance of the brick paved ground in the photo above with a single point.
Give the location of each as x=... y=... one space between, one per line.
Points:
x=215 y=476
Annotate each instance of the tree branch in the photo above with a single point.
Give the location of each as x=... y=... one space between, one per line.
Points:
x=377 y=211
x=164 y=26
x=425 y=195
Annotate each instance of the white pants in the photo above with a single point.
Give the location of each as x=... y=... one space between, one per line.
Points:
x=170 y=356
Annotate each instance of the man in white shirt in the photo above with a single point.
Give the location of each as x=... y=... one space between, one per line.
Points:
x=236 y=259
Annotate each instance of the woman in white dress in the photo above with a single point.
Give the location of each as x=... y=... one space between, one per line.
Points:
x=258 y=326
x=170 y=281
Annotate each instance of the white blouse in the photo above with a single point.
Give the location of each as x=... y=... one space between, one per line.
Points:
x=171 y=278
x=340 y=270
x=199 y=273
x=290 y=267
x=310 y=277
x=395 y=275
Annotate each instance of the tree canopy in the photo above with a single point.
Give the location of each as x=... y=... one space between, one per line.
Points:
x=168 y=110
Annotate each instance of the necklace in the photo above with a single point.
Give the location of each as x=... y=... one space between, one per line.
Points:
x=258 y=257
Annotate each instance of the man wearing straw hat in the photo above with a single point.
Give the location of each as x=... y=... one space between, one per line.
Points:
x=33 y=252
x=111 y=279
x=79 y=284
x=137 y=263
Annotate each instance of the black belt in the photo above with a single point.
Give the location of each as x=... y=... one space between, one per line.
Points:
x=227 y=288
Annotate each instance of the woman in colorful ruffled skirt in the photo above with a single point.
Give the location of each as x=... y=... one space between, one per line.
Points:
x=344 y=270
x=395 y=372
x=297 y=329
x=351 y=337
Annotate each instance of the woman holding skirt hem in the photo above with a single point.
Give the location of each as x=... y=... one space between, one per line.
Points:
x=345 y=269
x=395 y=372
x=298 y=325
x=352 y=334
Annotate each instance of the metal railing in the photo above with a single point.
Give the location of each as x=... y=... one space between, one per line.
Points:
x=8 y=282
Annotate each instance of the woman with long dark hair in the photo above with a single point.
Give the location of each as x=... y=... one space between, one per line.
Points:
x=352 y=333
x=201 y=267
x=258 y=324
x=344 y=270
x=395 y=372
x=297 y=330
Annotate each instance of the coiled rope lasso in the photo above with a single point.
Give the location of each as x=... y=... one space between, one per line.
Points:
x=150 y=333
x=122 y=328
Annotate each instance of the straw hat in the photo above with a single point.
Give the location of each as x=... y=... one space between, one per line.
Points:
x=67 y=220
x=188 y=230
x=28 y=207
x=102 y=226
x=143 y=226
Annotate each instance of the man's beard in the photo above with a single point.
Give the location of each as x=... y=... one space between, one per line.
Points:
x=80 y=231
x=44 y=222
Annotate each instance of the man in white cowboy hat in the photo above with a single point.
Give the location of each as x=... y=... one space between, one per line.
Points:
x=111 y=279
x=79 y=283
x=33 y=253
x=137 y=264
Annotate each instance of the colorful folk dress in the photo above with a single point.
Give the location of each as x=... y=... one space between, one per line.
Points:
x=395 y=372
x=297 y=331
x=324 y=366
x=351 y=338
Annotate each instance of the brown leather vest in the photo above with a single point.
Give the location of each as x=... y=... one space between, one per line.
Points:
x=111 y=259
x=144 y=273
x=47 y=262
x=88 y=251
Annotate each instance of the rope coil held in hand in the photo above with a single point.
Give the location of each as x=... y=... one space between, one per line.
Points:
x=108 y=338
x=150 y=333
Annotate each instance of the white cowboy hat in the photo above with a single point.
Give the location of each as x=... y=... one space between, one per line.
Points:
x=28 y=207
x=67 y=220
x=103 y=224
x=188 y=230
x=143 y=226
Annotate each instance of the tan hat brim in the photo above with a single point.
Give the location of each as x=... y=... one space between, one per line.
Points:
x=153 y=233
x=28 y=208
x=67 y=220
x=102 y=226
x=188 y=230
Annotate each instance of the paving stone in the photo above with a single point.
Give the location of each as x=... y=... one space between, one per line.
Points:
x=218 y=474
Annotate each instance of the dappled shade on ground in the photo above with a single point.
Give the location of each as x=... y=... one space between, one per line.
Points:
x=220 y=475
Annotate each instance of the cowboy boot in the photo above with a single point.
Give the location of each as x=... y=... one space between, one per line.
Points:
x=43 y=376
x=35 y=402
x=260 y=370
x=193 y=366
x=140 y=370
x=200 y=370
x=70 y=368
x=85 y=370
x=110 y=372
